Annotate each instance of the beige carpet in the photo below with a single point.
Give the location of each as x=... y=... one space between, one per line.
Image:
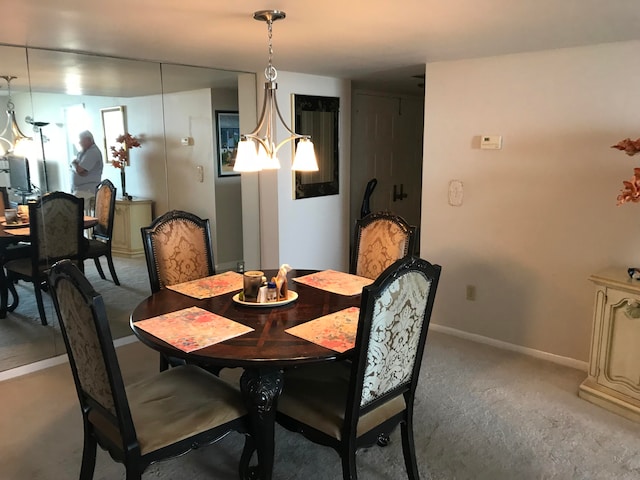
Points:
x=24 y=340
x=481 y=413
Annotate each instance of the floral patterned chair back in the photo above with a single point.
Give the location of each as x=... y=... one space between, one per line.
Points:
x=394 y=320
x=56 y=227
x=92 y=356
x=104 y=209
x=380 y=239
x=350 y=405
x=177 y=248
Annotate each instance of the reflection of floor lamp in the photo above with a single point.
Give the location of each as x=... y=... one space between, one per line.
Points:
x=37 y=127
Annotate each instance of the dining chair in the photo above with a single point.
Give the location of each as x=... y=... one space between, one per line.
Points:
x=177 y=247
x=380 y=239
x=4 y=199
x=157 y=418
x=12 y=251
x=100 y=241
x=348 y=405
x=56 y=221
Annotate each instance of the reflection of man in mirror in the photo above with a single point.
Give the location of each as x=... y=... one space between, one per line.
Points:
x=87 y=170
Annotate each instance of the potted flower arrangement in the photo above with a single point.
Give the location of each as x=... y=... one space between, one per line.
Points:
x=121 y=157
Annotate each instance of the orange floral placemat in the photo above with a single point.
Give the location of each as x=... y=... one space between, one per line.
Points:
x=192 y=328
x=336 y=331
x=336 y=282
x=212 y=286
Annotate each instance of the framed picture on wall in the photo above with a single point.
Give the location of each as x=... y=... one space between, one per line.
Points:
x=227 y=138
x=114 y=124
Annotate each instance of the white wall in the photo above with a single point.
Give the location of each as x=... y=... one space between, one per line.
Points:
x=147 y=170
x=539 y=215
x=312 y=232
x=188 y=114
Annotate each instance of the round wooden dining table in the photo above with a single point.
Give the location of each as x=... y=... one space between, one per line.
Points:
x=264 y=353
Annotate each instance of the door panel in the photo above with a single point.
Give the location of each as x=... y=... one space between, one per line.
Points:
x=387 y=145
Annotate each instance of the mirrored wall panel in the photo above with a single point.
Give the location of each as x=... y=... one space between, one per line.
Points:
x=153 y=128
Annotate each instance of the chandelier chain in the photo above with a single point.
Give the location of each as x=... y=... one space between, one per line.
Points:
x=270 y=72
x=8 y=78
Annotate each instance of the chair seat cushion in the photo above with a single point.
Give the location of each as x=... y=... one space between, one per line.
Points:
x=317 y=396
x=96 y=248
x=19 y=250
x=176 y=404
x=22 y=266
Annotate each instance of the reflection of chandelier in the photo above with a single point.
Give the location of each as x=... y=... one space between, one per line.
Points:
x=11 y=136
x=258 y=150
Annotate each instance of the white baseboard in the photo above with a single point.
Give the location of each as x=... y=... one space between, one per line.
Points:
x=566 y=361
x=53 y=361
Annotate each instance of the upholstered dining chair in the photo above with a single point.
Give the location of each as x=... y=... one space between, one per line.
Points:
x=380 y=239
x=56 y=222
x=157 y=418
x=4 y=199
x=348 y=405
x=177 y=247
x=100 y=241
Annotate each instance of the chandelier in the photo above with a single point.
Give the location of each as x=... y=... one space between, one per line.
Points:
x=258 y=150
x=11 y=136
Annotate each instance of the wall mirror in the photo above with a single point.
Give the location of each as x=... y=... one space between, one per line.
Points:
x=318 y=116
x=114 y=124
x=164 y=104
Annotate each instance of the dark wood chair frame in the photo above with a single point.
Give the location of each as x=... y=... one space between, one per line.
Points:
x=100 y=242
x=410 y=231
x=38 y=277
x=127 y=453
x=148 y=238
x=349 y=443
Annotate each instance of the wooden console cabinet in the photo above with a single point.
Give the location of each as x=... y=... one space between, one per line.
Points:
x=614 y=362
x=130 y=216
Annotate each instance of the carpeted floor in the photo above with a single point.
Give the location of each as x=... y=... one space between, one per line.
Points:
x=481 y=413
x=23 y=339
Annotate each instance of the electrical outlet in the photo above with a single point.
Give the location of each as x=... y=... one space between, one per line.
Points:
x=471 y=293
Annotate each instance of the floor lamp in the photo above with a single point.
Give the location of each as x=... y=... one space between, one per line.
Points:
x=37 y=127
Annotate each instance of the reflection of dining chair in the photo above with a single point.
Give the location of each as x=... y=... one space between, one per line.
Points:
x=100 y=241
x=56 y=222
x=348 y=405
x=151 y=420
x=177 y=247
x=4 y=199
x=13 y=251
x=380 y=239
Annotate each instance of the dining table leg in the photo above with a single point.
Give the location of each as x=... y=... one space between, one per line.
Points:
x=4 y=293
x=261 y=388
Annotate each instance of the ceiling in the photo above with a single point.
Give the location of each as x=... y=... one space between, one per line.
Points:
x=363 y=41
